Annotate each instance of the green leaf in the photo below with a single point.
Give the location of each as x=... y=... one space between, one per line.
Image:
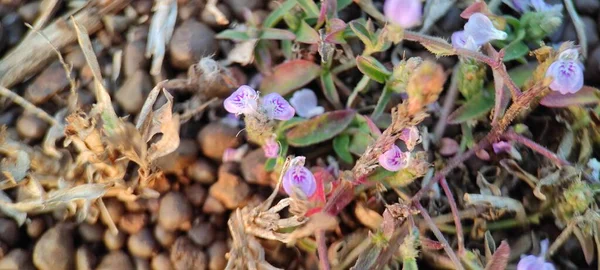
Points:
x=372 y=68
x=307 y=34
x=341 y=4
x=312 y=10
x=289 y=76
x=321 y=128
x=587 y=95
x=515 y=51
x=234 y=35
x=337 y=29
x=340 y=146
x=262 y=56
x=270 y=164
x=285 y=125
x=277 y=34
x=329 y=89
x=359 y=143
x=362 y=33
x=278 y=13
x=474 y=108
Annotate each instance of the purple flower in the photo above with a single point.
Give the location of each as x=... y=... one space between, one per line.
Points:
x=567 y=72
x=394 y=159
x=410 y=136
x=406 y=13
x=502 y=147
x=531 y=262
x=242 y=101
x=460 y=40
x=277 y=107
x=305 y=103
x=300 y=178
x=482 y=30
x=271 y=148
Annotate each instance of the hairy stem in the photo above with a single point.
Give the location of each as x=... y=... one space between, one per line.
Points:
x=322 y=250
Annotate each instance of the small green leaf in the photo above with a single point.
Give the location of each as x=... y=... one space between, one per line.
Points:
x=329 y=89
x=289 y=76
x=234 y=35
x=359 y=143
x=270 y=164
x=262 y=56
x=362 y=33
x=341 y=4
x=277 y=34
x=278 y=13
x=372 y=68
x=439 y=47
x=515 y=51
x=340 y=146
x=337 y=28
x=307 y=34
x=285 y=125
x=321 y=128
x=474 y=108
x=312 y=10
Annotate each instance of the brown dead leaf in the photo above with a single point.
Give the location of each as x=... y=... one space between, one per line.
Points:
x=319 y=221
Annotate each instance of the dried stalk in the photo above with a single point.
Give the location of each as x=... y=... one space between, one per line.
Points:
x=438 y=234
x=27 y=105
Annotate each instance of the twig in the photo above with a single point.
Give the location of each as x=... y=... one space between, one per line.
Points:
x=27 y=105
x=440 y=127
x=185 y=116
x=513 y=136
x=579 y=26
x=322 y=250
x=459 y=231
x=438 y=234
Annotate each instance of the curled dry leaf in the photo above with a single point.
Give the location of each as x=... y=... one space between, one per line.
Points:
x=498 y=203
x=55 y=132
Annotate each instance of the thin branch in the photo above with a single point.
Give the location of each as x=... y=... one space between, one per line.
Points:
x=440 y=127
x=27 y=105
x=513 y=136
x=322 y=250
x=459 y=231
x=438 y=234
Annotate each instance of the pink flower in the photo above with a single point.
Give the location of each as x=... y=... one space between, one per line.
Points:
x=406 y=13
x=531 y=262
x=297 y=177
x=482 y=30
x=394 y=159
x=271 y=148
x=242 y=101
x=305 y=103
x=567 y=72
x=277 y=107
x=502 y=147
x=410 y=136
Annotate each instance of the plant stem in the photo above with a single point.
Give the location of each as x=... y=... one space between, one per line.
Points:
x=28 y=106
x=513 y=136
x=322 y=250
x=459 y=232
x=438 y=234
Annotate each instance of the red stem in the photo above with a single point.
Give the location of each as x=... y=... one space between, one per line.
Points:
x=513 y=136
x=455 y=215
x=322 y=250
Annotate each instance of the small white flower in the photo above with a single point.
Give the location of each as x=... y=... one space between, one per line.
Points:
x=305 y=103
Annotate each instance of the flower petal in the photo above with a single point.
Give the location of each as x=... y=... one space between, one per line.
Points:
x=277 y=107
x=300 y=177
x=568 y=76
x=394 y=159
x=243 y=100
x=271 y=148
x=305 y=103
x=406 y=13
x=481 y=28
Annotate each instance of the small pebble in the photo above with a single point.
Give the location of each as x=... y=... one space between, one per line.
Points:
x=186 y=256
x=202 y=234
x=84 y=259
x=17 y=259
x=165 y=237
x=114 y=241
x=116 y=260
x=216 y=255
x=115 y=209
x=36 y=227
x=208 y=18
x=31 y=127
x=191 y=41
x=202 y=171
x=253 y=168
x=75 y=58
x=9 y=232
x=132 y=94
x=175 y=212
x=162 y=262
x=142 y=7
x=213 y=206
x=142 y=244
x=215 y=138
x=51 y=81
x=91 y=232
x=230 y=190
x=135 y=206
x=141 y=264
x=587 y=6
x=133 y=222
x=196 y=194
x=55 y=249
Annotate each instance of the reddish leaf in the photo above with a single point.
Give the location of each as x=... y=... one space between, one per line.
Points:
x=587 y=95
x=500 y=258
x=289 y=76
x=321 y=128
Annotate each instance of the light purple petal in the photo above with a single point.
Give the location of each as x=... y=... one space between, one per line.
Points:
x=460 y=40
x=394 y=159
x=406 y=13
x=529 y=263
x=305 y=103
x=410 y=136
x=277 y=107
x=542 y=6
x=568 y=76
x=482 y=30
x=501 y=147
x=301 y=177
x=271 y=148
x=242 y=101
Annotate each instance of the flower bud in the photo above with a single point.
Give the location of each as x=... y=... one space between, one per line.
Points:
x=471 y=78
x=406 y=13
x=542 y=22
x=425 y=85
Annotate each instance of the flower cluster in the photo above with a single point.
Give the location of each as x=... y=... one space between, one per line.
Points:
x=406 y=13
x=478 y=30
x=567 y=72
x=245 y=101
x=299 y=178
x=531 y=262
